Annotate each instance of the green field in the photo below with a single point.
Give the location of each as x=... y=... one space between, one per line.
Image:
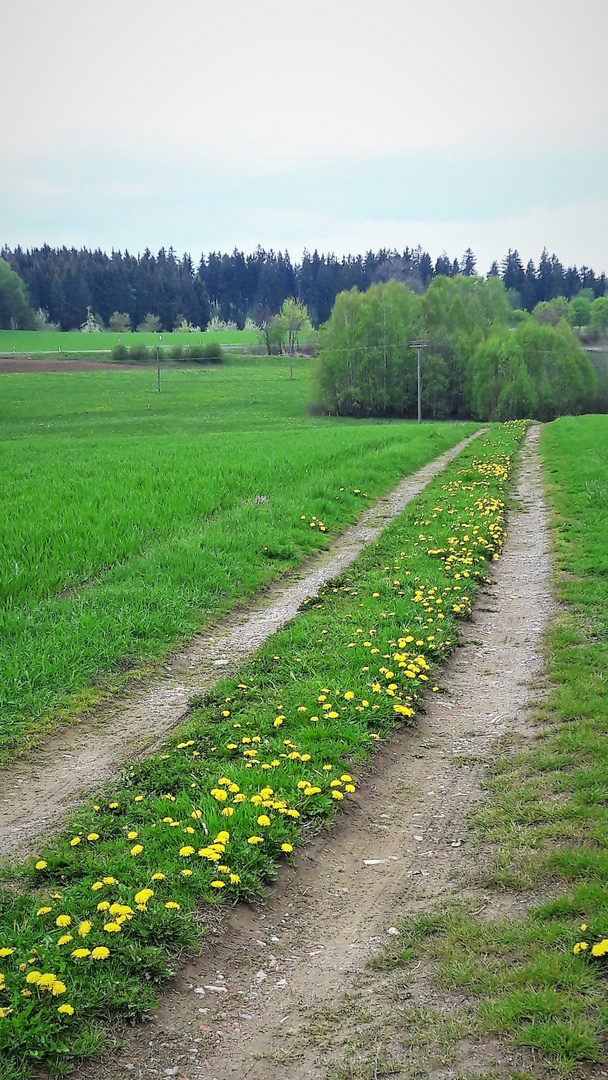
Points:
x=72 y=341
x=131 y=517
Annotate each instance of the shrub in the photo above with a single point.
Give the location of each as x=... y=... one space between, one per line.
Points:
x=196 y=353
x=213 y=352
x=120 y=353
x=139 y=353
x=177 y=352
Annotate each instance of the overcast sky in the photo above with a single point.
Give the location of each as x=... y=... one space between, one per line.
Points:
x=335 y=124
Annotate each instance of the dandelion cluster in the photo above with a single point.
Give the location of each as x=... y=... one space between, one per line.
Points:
x=600 y=948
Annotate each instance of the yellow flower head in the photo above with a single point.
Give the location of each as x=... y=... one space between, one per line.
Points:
x=286 y=847
x=100 y=953
x=84 y=928
x=63 y=920
x=79 y=954
x=41 y=865
x=67 y=1010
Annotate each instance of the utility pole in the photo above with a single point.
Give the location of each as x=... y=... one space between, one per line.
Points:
x=418 y=345
x=160 y=338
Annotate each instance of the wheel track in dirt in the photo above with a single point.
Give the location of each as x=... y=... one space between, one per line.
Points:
x=307 y=943
x=41 y=789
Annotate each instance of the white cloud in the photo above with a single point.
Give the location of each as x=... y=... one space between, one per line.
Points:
x=577 y=233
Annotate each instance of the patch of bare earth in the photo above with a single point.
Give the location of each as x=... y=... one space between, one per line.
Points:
x=284 y=989
x=41 y=789
x=21 y=365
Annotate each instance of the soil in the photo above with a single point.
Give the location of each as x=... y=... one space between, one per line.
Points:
x=40 y=790
x=20 y=364
x=283 y=989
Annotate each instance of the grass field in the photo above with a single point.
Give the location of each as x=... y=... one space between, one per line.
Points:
x=91 y=935
x=131 y=517
x=43 y=341
x=541 y=979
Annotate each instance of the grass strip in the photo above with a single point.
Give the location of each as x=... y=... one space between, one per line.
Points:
x=541 y=978
x=88 y=928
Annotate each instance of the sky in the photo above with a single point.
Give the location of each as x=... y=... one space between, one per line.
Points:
x=341 y=125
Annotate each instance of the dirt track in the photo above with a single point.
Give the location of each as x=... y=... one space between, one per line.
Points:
x=39 y=791
x=282 y=991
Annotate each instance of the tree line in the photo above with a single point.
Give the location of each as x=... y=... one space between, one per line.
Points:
x=66 y=286
x=481 y=360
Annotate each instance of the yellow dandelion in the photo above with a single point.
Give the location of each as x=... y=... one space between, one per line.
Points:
x=100 y=953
